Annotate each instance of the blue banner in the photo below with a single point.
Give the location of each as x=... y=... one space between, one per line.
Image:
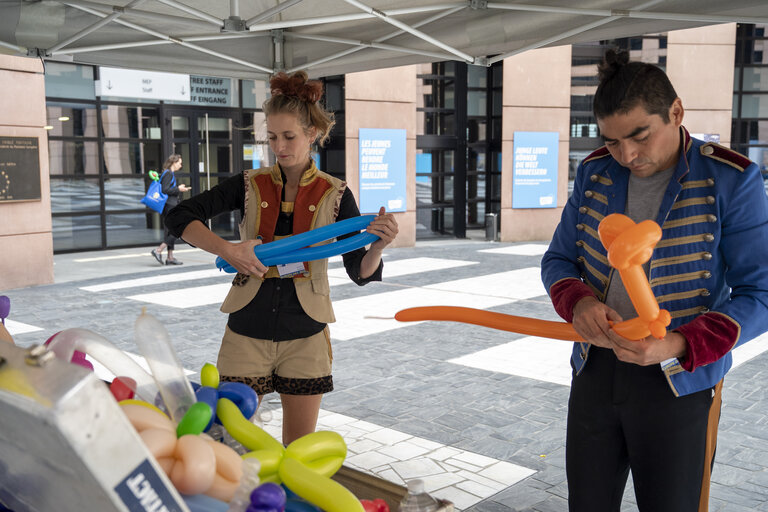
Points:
x=534 y=176
x=382 y=170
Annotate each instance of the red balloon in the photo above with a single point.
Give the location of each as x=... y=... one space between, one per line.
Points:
x=123 y=388
x=377 y=505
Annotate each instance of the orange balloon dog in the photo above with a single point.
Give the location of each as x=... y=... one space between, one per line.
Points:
x=629 y=245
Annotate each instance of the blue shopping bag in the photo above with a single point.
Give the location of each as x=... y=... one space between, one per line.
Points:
x=154 y=197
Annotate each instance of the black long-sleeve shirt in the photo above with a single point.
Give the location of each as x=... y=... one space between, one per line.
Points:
x=275 y=313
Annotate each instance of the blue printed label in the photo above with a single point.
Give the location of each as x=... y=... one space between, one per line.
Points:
x=143 y=491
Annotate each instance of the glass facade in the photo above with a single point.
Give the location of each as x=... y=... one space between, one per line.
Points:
x=750 y=95
x=458 y=147
x=101 y=150
x=584 y=133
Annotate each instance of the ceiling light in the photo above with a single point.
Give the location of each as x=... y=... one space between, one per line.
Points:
x=63 y=118
x=48 y=127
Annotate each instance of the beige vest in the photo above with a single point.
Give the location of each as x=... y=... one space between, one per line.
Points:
x=317 y=204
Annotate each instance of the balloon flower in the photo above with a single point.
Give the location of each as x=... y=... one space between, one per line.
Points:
x=304 y=466
x=295 y=248
x=629 y=246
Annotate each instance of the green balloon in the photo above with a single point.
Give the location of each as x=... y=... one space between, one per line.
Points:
x=195 y=420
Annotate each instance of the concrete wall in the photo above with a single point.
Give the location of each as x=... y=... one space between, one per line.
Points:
x=26 y=244
x=700 y=65
x=384 y=98
x=537 y=98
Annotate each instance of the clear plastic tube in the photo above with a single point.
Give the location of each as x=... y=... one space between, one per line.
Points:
x=105 y=352
x=155 y=345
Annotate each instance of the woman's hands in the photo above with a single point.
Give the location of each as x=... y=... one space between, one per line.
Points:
x=385 y=227
x=240 y=255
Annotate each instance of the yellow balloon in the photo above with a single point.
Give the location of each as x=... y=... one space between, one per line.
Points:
x=148 y=405
x=246 y=433
x=323 y=452
x=318 y=490
x=270 y=463
x=209 y=376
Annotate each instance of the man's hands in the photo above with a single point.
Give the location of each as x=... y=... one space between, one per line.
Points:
x=592 y=320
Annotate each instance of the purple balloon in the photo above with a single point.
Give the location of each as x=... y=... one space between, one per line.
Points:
x=268 y=496
x=5 y=307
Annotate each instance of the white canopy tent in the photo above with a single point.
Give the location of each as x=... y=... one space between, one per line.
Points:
x=254 y=38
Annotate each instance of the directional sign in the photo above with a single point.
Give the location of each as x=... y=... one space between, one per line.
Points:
x=133 y=83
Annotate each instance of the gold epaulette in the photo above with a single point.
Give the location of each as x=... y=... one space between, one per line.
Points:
x=725 y=155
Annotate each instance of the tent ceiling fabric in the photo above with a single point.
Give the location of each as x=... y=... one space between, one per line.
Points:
x=254 y=38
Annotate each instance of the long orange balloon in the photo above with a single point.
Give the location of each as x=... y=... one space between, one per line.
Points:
x=629 y=246
x=500 y=321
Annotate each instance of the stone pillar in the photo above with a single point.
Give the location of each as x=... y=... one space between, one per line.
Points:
x=699 y=56
x=536 y=98
x=384 y=98
x=26 y=242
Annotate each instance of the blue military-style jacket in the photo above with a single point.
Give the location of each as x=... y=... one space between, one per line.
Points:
x=713 y=255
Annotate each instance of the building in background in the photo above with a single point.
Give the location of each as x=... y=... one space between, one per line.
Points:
x=474 y=139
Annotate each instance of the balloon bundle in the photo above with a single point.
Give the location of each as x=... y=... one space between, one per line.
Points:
x=629 y=246
x=195 y=463
x=295 y=248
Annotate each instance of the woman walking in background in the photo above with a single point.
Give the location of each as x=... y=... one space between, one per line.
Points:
x=174 y=191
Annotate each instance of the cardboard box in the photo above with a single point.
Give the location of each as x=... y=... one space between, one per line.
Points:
x=369 y=487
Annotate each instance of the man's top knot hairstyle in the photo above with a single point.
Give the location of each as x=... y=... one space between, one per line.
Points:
x=294 y=93
x=298 y=85
x=625 y=85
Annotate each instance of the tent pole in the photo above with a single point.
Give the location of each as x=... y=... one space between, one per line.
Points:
x=271 y=12
x=194 y=12
x=93 y=27
x=402 y=26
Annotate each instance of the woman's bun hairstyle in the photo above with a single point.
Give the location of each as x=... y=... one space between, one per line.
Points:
x=298 y=85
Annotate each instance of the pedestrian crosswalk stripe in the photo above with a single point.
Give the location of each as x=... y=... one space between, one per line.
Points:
x=158 y=279
x=518 y=250
x=14 y=327
x=215 y=294
x=532 y=357
x=363 y=316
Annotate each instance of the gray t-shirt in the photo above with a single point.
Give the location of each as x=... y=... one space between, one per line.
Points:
x=644 y=196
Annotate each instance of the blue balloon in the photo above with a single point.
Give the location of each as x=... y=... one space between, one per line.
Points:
x=210 y=396
x=300 y=506
x=294 y=249
x=203 y=503
x=242 y=395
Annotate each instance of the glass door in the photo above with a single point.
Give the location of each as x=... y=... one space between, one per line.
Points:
x=206 y=141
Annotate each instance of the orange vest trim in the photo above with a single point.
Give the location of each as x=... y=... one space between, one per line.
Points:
x=305 y=206
x=271 y=193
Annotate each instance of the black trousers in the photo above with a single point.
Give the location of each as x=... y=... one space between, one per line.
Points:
x=623 y=416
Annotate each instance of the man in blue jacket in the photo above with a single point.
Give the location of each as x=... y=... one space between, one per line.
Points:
x=653 y=405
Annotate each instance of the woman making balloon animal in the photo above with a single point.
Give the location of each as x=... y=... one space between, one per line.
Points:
x=277 y=337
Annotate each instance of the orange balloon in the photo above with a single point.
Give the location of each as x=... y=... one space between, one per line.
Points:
x=501 y=321
x=629 y=246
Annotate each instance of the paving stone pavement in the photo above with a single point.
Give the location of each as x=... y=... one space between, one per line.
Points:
x=401 y=378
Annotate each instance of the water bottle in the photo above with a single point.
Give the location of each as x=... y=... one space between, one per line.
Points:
x=417 y=499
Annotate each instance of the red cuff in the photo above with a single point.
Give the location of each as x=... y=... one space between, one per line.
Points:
x=566 y=293
x=708 y=337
